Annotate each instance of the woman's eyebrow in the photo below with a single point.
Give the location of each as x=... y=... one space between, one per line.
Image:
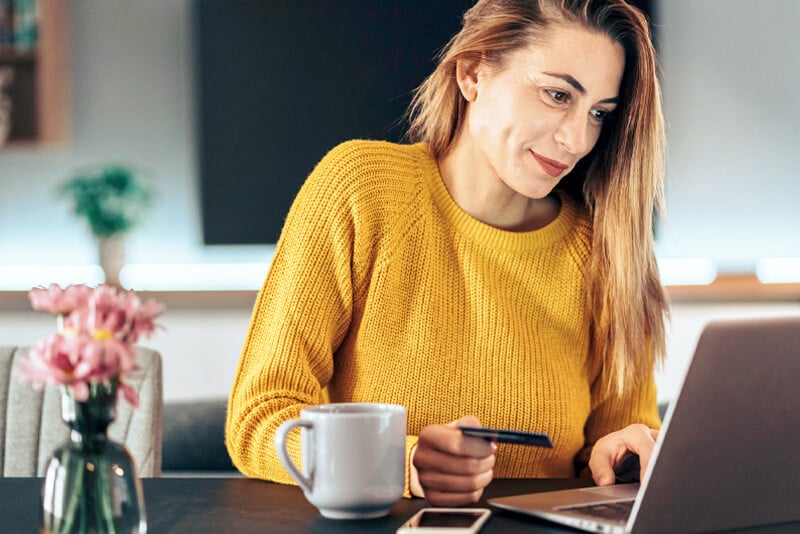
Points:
x=578 y=86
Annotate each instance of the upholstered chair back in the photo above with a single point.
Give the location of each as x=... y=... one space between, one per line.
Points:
x=31 y=426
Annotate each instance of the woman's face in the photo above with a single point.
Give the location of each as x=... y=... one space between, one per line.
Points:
x=534 y=118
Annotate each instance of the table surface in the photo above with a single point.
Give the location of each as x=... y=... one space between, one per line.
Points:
x=245 y=505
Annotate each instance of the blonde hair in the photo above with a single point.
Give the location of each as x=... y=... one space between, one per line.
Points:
x=620 y=180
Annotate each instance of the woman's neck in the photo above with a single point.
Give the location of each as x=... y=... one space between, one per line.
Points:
x=477 y=190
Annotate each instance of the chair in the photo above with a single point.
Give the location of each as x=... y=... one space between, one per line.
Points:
x=31 y=426
x=194 y=439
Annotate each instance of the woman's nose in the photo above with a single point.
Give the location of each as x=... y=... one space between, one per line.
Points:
x=573 y=133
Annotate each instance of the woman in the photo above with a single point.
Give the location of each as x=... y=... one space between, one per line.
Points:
x=499 y=271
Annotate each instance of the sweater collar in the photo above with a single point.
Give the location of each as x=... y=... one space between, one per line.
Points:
x=488 y=235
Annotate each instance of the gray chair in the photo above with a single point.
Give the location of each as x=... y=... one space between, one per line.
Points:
x=31 y=426
x=194 y=439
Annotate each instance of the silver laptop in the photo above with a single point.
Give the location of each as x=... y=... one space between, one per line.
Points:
x=728 y=455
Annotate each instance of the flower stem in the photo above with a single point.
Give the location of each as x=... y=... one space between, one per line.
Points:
x=75 y=503
x=103 y=497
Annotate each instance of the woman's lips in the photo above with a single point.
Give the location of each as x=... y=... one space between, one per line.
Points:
x=550 y=166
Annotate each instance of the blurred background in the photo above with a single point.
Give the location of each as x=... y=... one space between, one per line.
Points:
x=225 y=105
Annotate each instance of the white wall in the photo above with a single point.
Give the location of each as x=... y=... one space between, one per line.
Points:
x=730 y=93
x=730 y=90
x=731 y=86
x=132 y=102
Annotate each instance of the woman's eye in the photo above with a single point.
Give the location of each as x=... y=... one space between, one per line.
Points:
x=600 y=115
x=560 y=97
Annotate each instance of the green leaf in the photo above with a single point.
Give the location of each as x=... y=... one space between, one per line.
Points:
x=112 y=199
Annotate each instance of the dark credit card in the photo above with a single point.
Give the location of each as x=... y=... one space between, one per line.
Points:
x=508 y=436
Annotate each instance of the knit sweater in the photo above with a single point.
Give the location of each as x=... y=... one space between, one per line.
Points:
x=382 y=289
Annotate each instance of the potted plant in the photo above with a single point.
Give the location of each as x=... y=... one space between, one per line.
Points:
x=112 y=200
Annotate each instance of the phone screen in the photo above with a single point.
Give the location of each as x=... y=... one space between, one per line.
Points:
x=432 y=518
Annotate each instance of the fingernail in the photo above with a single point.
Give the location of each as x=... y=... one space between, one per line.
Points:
x=604 y=481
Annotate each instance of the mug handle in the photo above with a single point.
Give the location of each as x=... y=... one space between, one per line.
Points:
x=283 y=453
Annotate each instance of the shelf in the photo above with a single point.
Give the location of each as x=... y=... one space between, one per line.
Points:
x=40 y=89
x=738 y=288
x=11 y=56
x=17 y=301
x=727 y=288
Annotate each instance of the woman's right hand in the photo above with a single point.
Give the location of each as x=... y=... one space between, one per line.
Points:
x=449 y=468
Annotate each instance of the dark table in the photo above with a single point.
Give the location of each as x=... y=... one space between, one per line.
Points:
x=243 y=505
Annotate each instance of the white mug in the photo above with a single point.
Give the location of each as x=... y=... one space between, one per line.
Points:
x=354 y=457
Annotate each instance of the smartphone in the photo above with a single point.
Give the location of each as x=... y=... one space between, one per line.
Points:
x=508 y=436
x=446 y=521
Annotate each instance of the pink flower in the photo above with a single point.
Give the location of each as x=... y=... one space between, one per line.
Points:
x=58 y=361
x=59 y=301
x=103 y=310
x=96 y=343
x=121 y=313
x=141 y=316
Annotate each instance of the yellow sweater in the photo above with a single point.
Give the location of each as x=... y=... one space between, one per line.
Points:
x=383 y=290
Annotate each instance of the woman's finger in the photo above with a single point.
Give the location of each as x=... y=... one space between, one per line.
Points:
x=436 y=460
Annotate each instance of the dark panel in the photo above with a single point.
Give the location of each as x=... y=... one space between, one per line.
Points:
x=280 y=82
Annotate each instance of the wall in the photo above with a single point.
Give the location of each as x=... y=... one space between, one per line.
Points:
x=730 y=98
x=732 y=186
x=132 y=102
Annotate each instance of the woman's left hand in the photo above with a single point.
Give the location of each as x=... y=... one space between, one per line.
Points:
x=611 y=450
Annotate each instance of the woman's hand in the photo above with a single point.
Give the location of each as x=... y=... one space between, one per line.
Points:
x=449 y=468
x=611 y=450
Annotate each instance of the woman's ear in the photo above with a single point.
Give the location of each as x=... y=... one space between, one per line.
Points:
x=467 y=74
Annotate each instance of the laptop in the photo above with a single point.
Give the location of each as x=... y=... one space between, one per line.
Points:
x=728 y=455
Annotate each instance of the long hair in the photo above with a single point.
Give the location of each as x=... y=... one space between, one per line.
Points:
x=620 y=181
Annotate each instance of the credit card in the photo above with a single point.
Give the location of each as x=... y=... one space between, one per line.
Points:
x=500 y=435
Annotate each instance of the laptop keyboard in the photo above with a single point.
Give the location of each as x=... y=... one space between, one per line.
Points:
x=618 y=511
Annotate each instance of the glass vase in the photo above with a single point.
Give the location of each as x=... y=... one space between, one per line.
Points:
x=91 y=484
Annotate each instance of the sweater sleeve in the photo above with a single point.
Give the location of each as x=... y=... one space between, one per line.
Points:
x=411 y=442
x=300 y=317
x=612 y=412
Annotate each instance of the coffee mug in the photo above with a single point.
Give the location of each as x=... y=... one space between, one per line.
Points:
x=353 y=457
